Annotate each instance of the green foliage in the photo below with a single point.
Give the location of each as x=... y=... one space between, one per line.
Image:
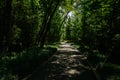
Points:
x=54 y=34
x=99 y=25
x=22 y=25
x=25 y=24
x=94 y=25
x=73 y=28
x=18 y=65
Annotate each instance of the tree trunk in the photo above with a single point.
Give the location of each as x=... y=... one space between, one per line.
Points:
x=7 y=23
x=46 y=26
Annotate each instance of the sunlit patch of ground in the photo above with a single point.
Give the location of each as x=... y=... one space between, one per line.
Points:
x=72 y=72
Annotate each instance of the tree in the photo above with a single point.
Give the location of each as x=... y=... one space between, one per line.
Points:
x=49 y=10
x=6 y=25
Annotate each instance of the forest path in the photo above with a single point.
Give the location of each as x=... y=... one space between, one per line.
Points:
x=66 y=64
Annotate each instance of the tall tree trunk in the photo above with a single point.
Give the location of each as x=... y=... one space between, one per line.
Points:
x=46 y=24
x=7 y=23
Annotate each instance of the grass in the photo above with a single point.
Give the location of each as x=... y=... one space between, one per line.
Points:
x=18 y=65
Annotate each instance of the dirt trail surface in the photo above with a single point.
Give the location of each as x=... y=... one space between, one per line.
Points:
x=66 y=64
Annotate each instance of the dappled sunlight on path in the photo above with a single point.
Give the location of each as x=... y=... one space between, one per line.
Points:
x=65 y=47
x=66 y=64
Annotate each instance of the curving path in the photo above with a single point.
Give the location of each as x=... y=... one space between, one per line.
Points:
x=66 y=64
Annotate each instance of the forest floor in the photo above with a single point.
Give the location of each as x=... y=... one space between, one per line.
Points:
x=66 y=64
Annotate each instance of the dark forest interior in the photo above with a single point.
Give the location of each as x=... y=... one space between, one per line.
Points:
x=32 y=32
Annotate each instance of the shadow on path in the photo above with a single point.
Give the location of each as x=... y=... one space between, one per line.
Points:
x=66 y=64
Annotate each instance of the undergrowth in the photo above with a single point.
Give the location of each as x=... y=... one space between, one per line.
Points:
x=15 y=66
x=101 y=64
